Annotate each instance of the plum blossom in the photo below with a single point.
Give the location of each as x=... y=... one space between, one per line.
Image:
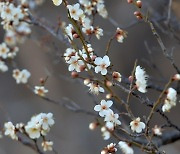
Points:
x=10 y=130
x=47 y=145
x=170 y=100
x=111 y=120
x=69 y=30
x=102 y=64
x=75 y=11
x=88 y=8
x=98 y=32
x=105 y=133
x=69 y=52
x=95 y=88
x=110 y=149
x=84 y=2
x=33 y=130
x=104 y=107
x=11 y=15
x=39 y=125
x=141 y=79
x=157 y=130
x=102 y=10
x=4 y=50
x=137 y=126
x=40 y=90
x=120 y=35
x=75 y=63
x=126 y=149
x=3 y=66
x=21 y=76
x=47 y=120
x=117 y=76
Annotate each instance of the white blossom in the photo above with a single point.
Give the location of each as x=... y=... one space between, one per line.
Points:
x=84 y=2
x=126 y=149
x=170 y=100
x=98 y=32
x=69 y=32
x=157 y=130
x=104 y=107
x=105 y=133
x=75 y=63
x=21 y=76
x=69 y=52
x=141 y=79
x=102 y=64
x=117 y=76
x=10 y=130
x=25 y=75
x=4 y=50
x=23 y=28
x=95 y=88
x=47 y=120
x=3 y=66
x=10 y=38
x=102 y=10
x=39 y=125
x=75 y=11
x=11 y=15
x=33 y=130
x=40 y=90
x=137 y=126
x=47 y=145
x=110 y=149
x=112 y=119
x=88 y=8
x=120 y=35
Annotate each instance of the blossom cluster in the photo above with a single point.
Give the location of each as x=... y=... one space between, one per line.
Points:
x=170 y=100
x=21 y=76
x=110 y=117
x=38 y=126
x=16 y=30
x=40 y=90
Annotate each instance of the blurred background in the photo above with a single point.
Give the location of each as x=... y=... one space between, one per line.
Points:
x=41 y=55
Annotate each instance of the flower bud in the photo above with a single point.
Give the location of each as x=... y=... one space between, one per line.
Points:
x=104 y=152
x=108 y=96
x=93 y=125
x=129 y=1
x=93 y=57
x=138 y=15
x=42 y=81
x=139 y=4
x=117 y=76
x=82 y=68
x=176 y=77
x=130 y=78
x=75 y=35
x=86 y=81
x=109 y=83
x=74 y=74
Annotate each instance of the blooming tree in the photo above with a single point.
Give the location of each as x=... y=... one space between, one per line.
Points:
x=112 y=113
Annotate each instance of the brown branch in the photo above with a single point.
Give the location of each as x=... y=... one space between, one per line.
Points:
x=167 y=138
x=49 y=28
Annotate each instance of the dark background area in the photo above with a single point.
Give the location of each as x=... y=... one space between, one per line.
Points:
x=41 y=55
